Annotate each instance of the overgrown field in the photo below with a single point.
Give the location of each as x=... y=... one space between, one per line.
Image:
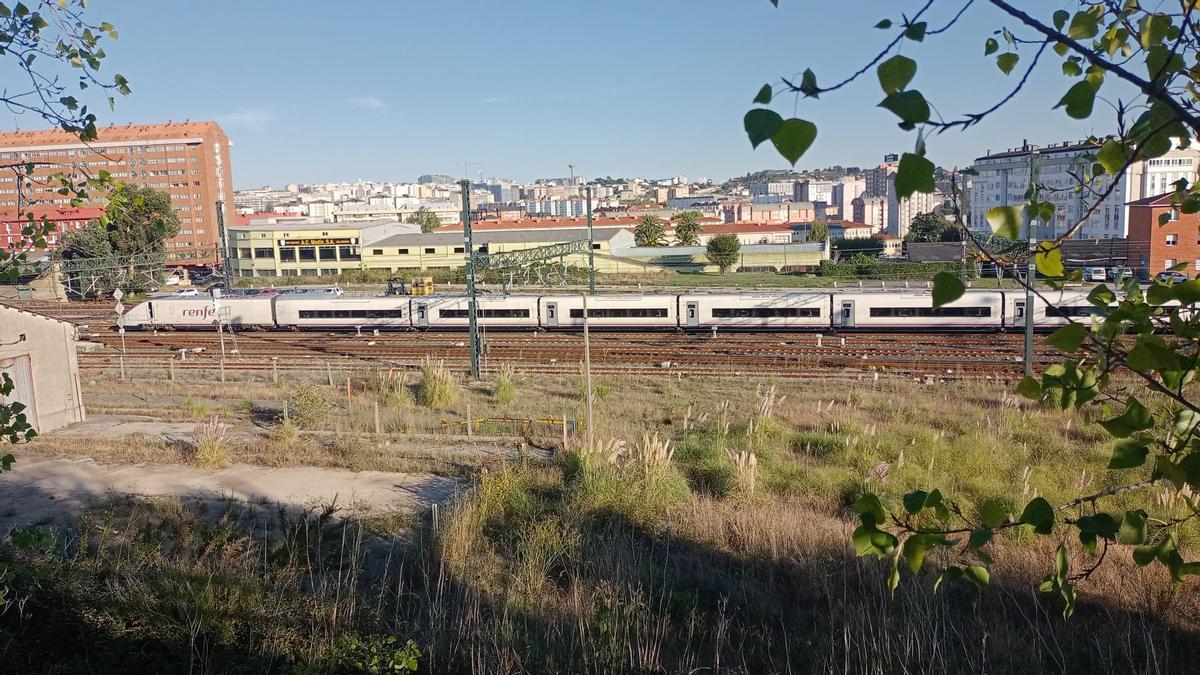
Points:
x=705 y=529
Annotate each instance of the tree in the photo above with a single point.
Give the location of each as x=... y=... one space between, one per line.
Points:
x=723 y=251
x=649 y=232
x=930 y=227
x=1146 y=58
x=428 y=220
x=819 y=232
x=41 y=41
x=688 y=228
x=140 y=220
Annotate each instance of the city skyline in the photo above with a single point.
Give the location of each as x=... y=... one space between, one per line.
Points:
x=656 y=91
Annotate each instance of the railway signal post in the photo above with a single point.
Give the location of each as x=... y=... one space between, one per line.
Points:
x=472 y=320
x=591 y=246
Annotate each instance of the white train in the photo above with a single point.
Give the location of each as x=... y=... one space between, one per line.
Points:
x=844 y=310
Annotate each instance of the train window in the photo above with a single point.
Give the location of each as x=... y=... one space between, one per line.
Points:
x=1079 y=310
x=621 y=313
x=763 y=312
x=351 y=314
x=460 y=249
x=930 y=312
x=485 y=313
x=430 y=250
x=401 y=251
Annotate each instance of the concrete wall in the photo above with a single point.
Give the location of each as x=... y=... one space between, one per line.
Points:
x=39 y=353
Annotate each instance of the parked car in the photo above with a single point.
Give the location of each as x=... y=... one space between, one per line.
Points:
x=1095 y=274
x=1170 y=277
x=186 y=293
x=1119 y=274
x=333 y=292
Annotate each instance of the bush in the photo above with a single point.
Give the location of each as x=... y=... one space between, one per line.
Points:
x=307 y=405
x=865 y=267
x=379 y=654
x=437 y=388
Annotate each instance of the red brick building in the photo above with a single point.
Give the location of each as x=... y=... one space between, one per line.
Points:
x=1155 y=248
x=187 y=160
x=12 y=222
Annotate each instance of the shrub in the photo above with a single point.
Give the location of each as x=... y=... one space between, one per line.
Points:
x=505 y=389
x=437 y=388
x=392 y=389
x=379 y=654
x=307 y=405
x=209 y=449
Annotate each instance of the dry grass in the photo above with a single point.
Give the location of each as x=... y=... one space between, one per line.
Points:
x=438 y=387
x=210 y=445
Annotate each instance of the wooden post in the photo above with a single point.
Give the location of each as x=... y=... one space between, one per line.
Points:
x=470 y=423
x=285 y=412
x=564 y=430
x=171 y=368
x=329 y=373
x=434 y=512
x=122 y=367
x=347 y=392
x=222 y=370
x=275 y=370
x=377 y=428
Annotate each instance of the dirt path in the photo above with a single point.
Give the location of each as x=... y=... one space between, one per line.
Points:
x=51 y=490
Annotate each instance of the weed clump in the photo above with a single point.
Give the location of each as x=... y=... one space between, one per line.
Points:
x=437 y=388
x=210 y=444
x=505 y=389
x=307 y=405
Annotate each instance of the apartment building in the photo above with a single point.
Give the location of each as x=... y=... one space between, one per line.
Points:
x=187 y=160
x=13 y=221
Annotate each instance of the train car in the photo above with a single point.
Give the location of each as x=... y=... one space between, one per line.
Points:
x=304 y=311
x=914 y=311
x=450 y=311
x=610 y=311
x=755 y=311
x=199 y=312
x=1051 y=308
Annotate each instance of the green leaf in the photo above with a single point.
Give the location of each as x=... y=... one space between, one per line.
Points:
x=1079 y=100
x=915 y=501
x=761 y=124
x=793 y=138
x=1112 y=156
x=915 y=31
x=1084 y=25
x=868 y=506
x=1068 y=338
x=979 y=537
x=1039 y=514
x=990 y=46
x=910 y=106
x=914 y=174
x=1135 y=418
x=947 y=288
x=1153 y=29
x=1030 y=388
x=1187 y=292
x=1060 y=18
x=978 y=575
x=894 y=578
x=764 y=95
x=1007 y=61
x=1071 y=69
x=884 y=24
x=915 y=548
x=808 y=83
x=869 y=539
x=1005 y=222
x=1133 y=529
x=895 y=73
x=1049 y=260
x=1128 y=453
x=1159 y=293
x=1101 y=296
x=993 y=513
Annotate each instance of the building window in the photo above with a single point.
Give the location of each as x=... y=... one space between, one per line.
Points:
x=1168 y=263
x=328 y=253
x=1174 y=214
x=430 y=251
x=376 y=251
x=264 y=253
x=308 y=253
x=348 y=253
x=1172 y=240
x=287 y=255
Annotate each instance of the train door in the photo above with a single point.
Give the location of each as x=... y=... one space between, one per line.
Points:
x=693 y=314
x=422 y=315
x=847 y=315
x=552 y=314
x=1018 y=313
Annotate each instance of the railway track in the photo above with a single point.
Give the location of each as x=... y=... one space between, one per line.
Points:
x=958 y=356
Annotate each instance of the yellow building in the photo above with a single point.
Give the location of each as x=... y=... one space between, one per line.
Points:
x=304 y=249
x=447 y=250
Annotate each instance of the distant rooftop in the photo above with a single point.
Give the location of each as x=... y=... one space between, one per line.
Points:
x=501 y=237
x=109 y=134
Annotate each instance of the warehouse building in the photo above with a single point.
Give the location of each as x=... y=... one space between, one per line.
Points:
x=447 y=250
x=38 y=353
x=285 y=249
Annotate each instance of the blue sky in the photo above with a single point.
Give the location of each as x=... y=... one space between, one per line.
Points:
x=330 y=91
